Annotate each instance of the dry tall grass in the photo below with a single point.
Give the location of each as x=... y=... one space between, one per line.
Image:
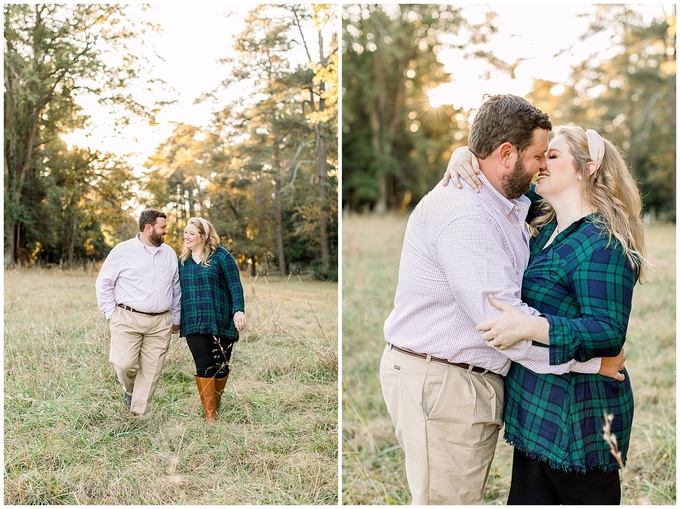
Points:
x=69 y=439
x=372 y=462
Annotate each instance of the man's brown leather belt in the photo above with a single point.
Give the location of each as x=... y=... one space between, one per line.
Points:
x=476 y=369
x=128 y=308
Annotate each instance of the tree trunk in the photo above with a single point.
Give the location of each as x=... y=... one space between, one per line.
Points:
x=672 y=91
x=279 y=216
x=322 y=170
x=10 y=239
x=10 y=224
x=381 y=177
x=323 y=184
x=21 y=248
x=71 y=244
x=10 y=244
x=377 y=125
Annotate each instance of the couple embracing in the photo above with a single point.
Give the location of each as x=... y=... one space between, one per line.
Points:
x=498 y=323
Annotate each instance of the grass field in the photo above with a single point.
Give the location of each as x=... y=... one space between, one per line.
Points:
x=373 y=463
x=69 y=439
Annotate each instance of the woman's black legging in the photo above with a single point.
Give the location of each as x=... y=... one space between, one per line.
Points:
x=211 y=354
x=535 y=482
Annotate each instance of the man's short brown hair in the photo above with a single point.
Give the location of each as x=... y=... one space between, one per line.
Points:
x=505 y=118
x=149 y=216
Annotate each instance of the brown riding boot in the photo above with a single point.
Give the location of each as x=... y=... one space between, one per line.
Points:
x=206 y=390
x=219 y=389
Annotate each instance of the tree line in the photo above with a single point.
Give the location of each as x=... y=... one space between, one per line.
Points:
x=396 y=145
x=264 y=172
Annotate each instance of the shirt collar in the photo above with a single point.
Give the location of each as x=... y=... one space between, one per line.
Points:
x=518 y=207
x=148 y=249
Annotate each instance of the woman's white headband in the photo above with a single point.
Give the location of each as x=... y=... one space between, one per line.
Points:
x=595 y=147
x=204 y=223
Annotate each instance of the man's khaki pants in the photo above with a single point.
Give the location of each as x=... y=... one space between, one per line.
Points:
x=447 y=421
x=139 y=344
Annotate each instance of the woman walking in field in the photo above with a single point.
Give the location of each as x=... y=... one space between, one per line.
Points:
x=586 y=257
x=212 y=311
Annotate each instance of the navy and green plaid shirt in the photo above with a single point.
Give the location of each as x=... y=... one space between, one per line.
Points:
x=584 y=288
x=211 y=295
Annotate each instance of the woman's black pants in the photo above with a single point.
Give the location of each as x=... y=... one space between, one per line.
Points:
x=536 y=483
x=211 y=354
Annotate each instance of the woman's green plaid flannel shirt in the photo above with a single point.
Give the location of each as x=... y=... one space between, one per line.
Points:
x=583 y=284
x=211 y=295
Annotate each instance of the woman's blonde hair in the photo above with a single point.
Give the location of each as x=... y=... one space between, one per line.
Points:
x=611 y=191
x=210 y=240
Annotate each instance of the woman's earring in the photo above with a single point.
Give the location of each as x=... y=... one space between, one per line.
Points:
x=580 y=177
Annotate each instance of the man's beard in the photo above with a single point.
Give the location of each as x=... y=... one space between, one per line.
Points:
x=156 y=238
x=518 y=182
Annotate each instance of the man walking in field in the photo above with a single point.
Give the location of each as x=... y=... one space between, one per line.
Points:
x=138 y=292
x=443 y=386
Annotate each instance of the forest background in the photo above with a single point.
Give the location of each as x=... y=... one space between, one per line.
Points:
x=264 y=171
x=397 y=140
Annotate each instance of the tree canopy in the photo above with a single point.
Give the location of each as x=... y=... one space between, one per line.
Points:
x=264 y=171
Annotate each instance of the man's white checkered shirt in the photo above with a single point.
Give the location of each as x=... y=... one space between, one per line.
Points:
x=459 y=247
